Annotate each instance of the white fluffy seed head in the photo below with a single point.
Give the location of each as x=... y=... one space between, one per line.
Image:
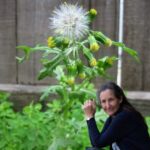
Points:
x=69 y=21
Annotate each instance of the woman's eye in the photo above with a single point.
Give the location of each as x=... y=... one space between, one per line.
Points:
x=103 y=102
x=111 y=99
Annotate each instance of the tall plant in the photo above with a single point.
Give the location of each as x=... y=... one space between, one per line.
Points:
x=72 y=42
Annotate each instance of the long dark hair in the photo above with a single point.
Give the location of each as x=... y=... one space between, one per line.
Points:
x=119 y=94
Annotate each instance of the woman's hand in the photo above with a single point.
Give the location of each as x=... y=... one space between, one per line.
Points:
x=89 y=109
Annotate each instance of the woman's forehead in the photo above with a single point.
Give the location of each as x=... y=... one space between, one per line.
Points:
x=106 y=92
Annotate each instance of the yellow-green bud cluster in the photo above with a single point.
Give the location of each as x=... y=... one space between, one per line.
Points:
x=82 y=75
x=51 y=42
x=93 y=62
x=57 y=42
x=94 y=47
x=110 y=61
x=71 y=80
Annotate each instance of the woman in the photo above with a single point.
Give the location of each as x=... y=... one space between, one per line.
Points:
x=125 y=128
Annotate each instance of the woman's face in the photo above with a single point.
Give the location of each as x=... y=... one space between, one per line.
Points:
x=109 y=102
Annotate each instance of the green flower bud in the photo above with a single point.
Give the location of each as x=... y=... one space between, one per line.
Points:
x=93 y=62
x=108 y=42
x=94 y=47
x=71 y=80
x=93 y=12
x=82 y=75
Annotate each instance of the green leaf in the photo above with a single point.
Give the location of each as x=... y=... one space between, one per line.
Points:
x=89 y=92
x=48 y=63
x=49 y=67
x=20 y=59
x=106 y=62
x=46 y=48
x=27 y=50
x=43 y=73
x=130 y=51
x=51 y=90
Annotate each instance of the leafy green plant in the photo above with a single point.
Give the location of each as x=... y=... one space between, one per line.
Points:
x=62 y=59
x=23 y=130
x=33 y=129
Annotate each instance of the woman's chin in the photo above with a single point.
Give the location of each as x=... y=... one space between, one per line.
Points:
x=110 y=113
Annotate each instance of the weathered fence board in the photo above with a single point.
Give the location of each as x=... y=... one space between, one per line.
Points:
x=32 y=29
x=137 y=35
x=7 y=41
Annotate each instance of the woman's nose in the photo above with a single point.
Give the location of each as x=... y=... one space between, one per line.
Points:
x=107 y=105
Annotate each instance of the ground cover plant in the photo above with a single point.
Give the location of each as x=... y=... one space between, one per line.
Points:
x=33 y=129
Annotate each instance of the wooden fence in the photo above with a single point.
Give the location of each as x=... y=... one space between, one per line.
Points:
x=25 y=22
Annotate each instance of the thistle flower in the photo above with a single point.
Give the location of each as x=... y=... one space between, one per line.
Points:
x=70 y=21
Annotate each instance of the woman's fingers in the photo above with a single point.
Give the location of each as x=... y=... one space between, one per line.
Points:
x=88 y=103
x=89 y=108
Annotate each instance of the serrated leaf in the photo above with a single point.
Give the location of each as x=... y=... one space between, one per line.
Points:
x=51 y=90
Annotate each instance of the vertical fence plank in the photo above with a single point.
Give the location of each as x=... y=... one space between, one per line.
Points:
x=106 y=22
x=33 y=29
x=26 y=36
x=7 y=41
x=136 y=35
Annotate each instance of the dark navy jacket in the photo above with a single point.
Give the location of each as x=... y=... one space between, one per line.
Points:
x=125 y=128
